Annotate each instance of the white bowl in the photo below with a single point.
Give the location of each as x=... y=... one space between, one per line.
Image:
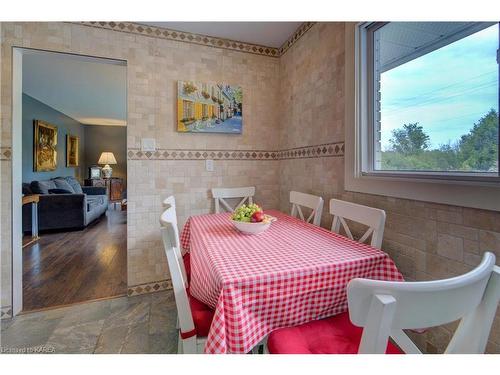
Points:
x=253 y=228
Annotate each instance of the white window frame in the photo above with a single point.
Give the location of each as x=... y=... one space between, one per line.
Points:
x=460 y=189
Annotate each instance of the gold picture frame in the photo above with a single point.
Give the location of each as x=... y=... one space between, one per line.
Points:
x=45 y=144
x=72 y=147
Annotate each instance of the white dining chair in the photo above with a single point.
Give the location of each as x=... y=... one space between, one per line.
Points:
x=384 y=308
x=220 y=194
x=194 y=317
x=169 y=202
x=374 y=218
x=310 y=201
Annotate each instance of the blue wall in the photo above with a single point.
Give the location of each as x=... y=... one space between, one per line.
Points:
x=36 y=110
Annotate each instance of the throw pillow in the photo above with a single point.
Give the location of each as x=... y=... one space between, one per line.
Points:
x=27 y=189
x=62 y=183
x=42 y=187
x=74 y=184
x=59 y=191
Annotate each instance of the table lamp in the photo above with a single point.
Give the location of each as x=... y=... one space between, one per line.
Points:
x=107 y=158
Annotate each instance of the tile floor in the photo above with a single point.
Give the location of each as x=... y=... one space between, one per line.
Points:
x=140 y=324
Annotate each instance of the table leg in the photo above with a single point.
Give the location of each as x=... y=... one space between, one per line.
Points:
x=34 y=220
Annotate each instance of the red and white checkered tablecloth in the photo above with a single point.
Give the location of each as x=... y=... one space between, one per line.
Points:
x=293 y=273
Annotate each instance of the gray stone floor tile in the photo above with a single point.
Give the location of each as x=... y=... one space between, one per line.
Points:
x=111 y=340
x=76 y=339
x=129 y=314
x=140 y=324
x=163 y=343
x=26 y=333
x=95 y=311
x=137 y=340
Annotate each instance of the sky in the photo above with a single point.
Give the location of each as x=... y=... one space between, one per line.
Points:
x=446 y=91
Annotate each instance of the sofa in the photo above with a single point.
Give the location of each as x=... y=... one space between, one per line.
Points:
x=64 y=204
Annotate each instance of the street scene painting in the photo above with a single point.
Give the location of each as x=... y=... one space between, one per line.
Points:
x=209 y=108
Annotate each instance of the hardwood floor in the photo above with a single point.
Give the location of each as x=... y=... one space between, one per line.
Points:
x=69 y=267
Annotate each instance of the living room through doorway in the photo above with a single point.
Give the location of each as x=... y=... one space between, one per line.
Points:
x=74 y=179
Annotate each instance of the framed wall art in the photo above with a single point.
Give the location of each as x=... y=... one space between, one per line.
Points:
x=44 y=148
x=72 y=147
x=209 y=108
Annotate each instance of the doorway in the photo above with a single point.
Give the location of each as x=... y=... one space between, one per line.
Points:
x=69 y=179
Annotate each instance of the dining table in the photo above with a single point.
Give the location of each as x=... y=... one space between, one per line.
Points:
x=292 y=273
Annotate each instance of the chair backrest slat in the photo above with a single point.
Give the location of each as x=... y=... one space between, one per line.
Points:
x=220 y=194
x=170 y=243
x=385 y=308
x=167 y=203
x=374 y=218
x=310 y=201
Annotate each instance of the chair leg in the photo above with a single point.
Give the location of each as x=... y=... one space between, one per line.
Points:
x=262 y=344
x=189 y=346
x=179 y=345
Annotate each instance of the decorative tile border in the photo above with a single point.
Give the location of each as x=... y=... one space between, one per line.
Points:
x=155 y=286
x=6 y=312
x=296 y=36
x=316 y=151
x=5 y=153
x=205 y=40
x=182 y=36
x=181 y=154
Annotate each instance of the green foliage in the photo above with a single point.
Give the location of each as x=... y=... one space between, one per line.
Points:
x=479 y=148
x=475 y=151
x=409 y=140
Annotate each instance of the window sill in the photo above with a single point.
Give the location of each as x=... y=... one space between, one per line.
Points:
x=477 y=179
x=474 y=194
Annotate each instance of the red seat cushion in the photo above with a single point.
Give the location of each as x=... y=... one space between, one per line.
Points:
x=186 y=258
x=334 y=335
x=202 y=316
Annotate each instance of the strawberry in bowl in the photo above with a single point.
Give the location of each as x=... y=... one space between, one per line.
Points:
x=250 y=219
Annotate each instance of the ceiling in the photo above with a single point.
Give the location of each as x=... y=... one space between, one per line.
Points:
x=269 y=34
x=92 y=91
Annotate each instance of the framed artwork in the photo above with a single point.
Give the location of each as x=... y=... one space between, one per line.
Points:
x=209 y=108
x=44 y=148
x=72 y=146
x=95 y=172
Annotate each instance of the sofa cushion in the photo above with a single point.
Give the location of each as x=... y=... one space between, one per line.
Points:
x=74 y=184
x=27 y=189
x=62 y=183
x=94 y=201
x=59 y=191
x=42 y=187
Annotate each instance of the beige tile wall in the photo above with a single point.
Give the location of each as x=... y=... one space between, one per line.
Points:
x=427 y=241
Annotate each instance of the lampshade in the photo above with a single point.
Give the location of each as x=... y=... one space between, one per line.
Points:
x=107 y=158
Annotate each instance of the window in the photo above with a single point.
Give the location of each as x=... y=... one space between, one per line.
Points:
x=431 y=99
x=204 y=110
x=187 y=109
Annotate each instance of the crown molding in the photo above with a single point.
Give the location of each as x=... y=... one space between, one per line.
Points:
x=200 y=39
